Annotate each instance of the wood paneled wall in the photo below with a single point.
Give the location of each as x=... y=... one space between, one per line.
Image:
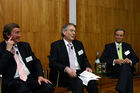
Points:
x=40 y=22
x=97 y=20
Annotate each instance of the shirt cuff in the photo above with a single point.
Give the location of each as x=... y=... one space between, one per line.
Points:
x=130 y=63
x=113 y=63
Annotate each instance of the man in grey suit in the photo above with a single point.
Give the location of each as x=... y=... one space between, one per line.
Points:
x=120 y=59
x=68 y=57
x=21 y=71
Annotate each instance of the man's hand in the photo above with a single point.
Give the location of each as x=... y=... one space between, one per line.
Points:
x=70 y=72
x=40 y=79
x=119 y=61
x=88 y=69
x=10 y=44
x=128 y=61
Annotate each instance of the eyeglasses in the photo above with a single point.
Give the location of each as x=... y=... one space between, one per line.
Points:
x=71 y=30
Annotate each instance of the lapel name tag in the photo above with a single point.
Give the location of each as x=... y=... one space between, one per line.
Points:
x=127 y=52
x=80 y=52
x=28 y=59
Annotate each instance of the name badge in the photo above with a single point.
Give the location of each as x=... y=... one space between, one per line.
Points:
x=127 y=52
x=80 y=52
x=28 y=59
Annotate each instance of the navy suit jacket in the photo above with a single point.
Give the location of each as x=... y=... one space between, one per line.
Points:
x=59 y=59
x=110 y=53
x=8 y=64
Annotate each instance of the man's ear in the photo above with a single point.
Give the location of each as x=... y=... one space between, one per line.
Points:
x=64 y=32
x=8 y=36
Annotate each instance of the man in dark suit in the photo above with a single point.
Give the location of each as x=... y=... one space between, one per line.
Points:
x=120 y=59
x=68 y=57
x=21 y=70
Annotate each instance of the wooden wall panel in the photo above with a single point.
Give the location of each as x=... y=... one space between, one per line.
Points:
x=40 y=22
x=97 y=20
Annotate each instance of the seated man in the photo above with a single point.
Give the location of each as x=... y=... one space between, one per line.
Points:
x=68 y=57
x=21 y=70
x=120 y=59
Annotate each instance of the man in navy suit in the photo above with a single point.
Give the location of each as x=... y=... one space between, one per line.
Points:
x=60 y=60
x=13 y=79
x=120 y=59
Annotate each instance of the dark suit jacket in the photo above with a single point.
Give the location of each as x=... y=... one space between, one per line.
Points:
x=8 y=65
x=59 y=60
x=110 y=53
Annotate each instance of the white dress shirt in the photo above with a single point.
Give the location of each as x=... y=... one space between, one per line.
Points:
x=75 y=57
x=21 y=60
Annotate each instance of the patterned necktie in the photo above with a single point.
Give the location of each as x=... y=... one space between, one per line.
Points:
x=20 y=68
x=71 y=57
x=120 y=51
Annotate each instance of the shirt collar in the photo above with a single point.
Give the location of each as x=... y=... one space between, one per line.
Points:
x=118 y=43
x=66 y=42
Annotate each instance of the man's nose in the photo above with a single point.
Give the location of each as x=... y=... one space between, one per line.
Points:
x=19 y=35
x=73 y=32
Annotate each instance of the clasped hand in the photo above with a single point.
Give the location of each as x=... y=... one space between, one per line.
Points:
x=122 y=61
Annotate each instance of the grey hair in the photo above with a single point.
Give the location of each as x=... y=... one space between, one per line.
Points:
x=64 y=28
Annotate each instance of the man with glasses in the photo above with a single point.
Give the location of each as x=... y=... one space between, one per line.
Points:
x=68 y=57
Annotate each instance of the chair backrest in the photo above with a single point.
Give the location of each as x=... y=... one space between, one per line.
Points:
x=54 y=78
x=53 y=74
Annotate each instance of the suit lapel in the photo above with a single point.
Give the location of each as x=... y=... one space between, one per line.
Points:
x=76 y=48
x=3 y=45
x=115 y=51
x=123 y=50
x=64 y=49
x=22 y=52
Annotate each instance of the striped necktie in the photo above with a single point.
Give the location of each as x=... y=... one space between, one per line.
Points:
x=22 y=74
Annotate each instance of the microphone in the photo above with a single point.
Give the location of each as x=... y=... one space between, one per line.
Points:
x=118 y=48
x=16 y=52
x=72 y=47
